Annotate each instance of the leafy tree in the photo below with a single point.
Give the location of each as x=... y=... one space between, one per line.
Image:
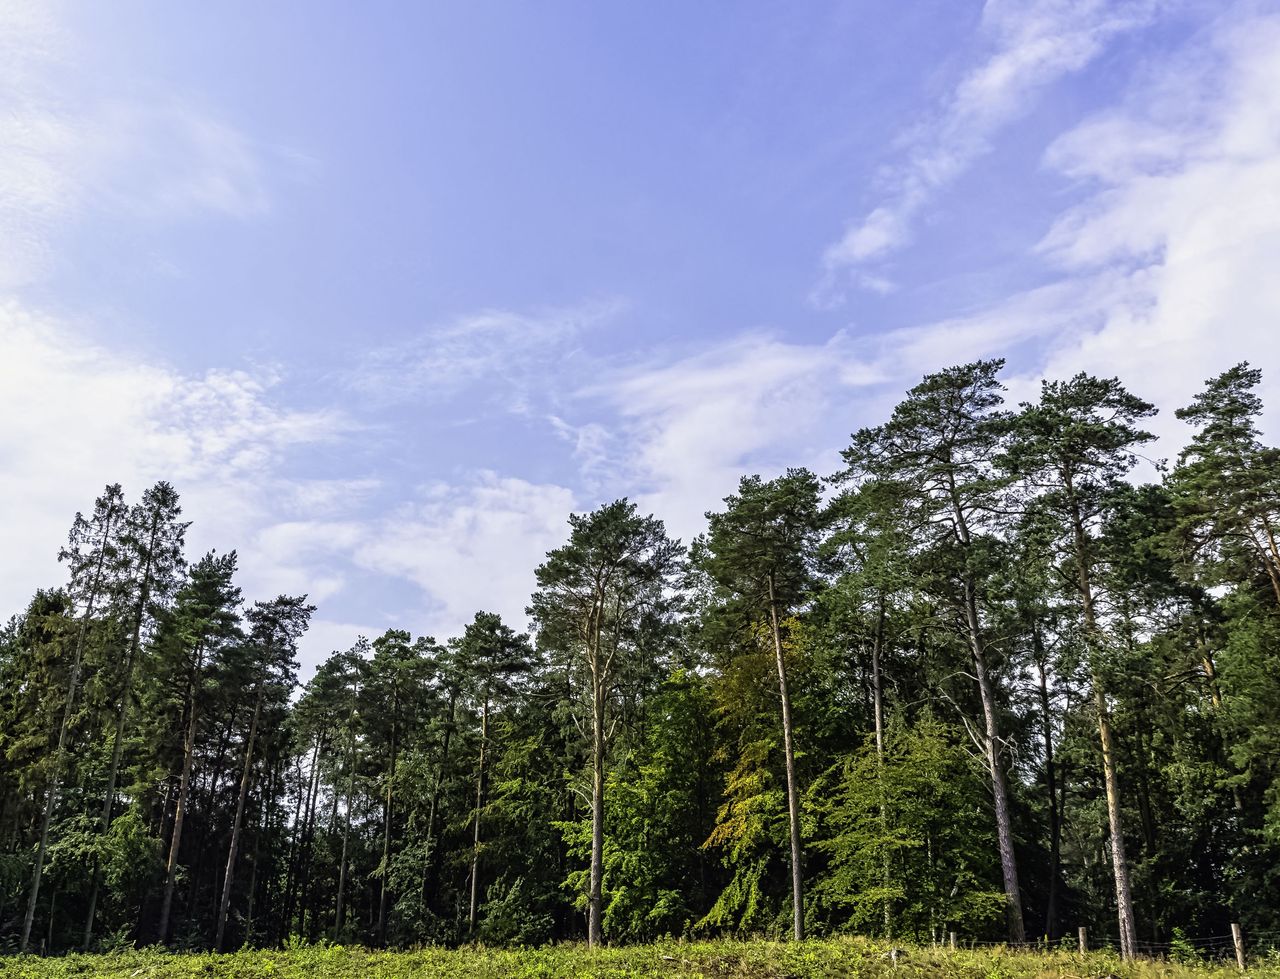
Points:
x=204 y=621
x=92 y=553
x=1073 y=448
x=1226 y=485
x=270 y=648
x=152 y=543
x=493 y=658
x=922 y=818
x=937 y=456
x=757 y=554
x=596 y=596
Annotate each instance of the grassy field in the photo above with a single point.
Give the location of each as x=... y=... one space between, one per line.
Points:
x=712 y=960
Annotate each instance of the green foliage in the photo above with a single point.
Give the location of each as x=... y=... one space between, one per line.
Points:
x=910 y=847
x=982 y=595
x=840 y=958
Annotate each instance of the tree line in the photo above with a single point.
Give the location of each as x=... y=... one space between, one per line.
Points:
x=981 y=679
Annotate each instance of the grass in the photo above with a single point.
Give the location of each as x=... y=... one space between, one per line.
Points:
x=838 y=958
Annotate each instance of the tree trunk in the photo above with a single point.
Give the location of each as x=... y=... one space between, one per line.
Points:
x=73 y=682
x=1000 y=797
x=877 y=698
x=430 y=872
x=594 y=898
x=1115 y=819
x=1051 y=777
x=991 y=721
x=475 y=849
x=793 y=794
x=188 y=752
x=228 y=878
x=346 y=827
x=386 y=830
x=117 y=745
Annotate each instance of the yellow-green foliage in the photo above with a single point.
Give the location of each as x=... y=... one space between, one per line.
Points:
x=834 y=958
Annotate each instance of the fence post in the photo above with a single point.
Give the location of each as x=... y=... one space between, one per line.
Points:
x=1238 y=938
x=1084 y=939
x=953 y=941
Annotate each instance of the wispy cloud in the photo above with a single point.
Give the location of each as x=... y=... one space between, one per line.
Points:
x=469 y=545
x=78 y=416
x=72 y=151
x=1184 y=205
x=504 y=354
x=1028 y=45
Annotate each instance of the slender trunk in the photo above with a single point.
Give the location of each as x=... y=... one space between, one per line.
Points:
x=295 y=849
x=386 y=828
x=117 y=744
x=108 y=803
x=73 y=682
x=346 y=825
x=431 y=870
x=999 y=791
x=306 y=845
x=228 y=878
x=475 y=849
x=793 y=793
x=594 y=899
x=184 y=782
x=253 y=887
x=877 y=698
x=1111 y=778
x=999 y=785
x=1051 y=777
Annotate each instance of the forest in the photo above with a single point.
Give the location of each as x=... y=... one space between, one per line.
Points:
x=1002 y=675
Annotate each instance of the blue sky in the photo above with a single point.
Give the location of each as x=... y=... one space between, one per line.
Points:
x=386 y=290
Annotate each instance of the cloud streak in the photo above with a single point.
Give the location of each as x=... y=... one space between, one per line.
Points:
x=501 y=356
x=1029 y=46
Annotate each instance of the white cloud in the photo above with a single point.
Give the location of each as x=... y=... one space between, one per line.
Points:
x=1185 y=204
x=1029 y=45
x=498 y=354
x=78 y=416
x=469 y=547
x=689 y=429
x=71 y=150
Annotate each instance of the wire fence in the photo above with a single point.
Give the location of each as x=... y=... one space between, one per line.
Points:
x=1206 y=947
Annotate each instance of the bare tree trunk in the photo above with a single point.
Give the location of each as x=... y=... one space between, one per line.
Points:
x=1051 y=777
x=386 y=832
x=229 y=877
x=877 y=697
x=346 y=828
x=991 y=721
x=73 y=683
x=1111 y=778
x=432 y=863
x=1000 y=795
x=108 y=803
x=793 y=793
x=188 y=752
x=475 y=849
x=594 y=898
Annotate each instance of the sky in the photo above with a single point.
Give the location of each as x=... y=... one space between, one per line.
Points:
x=387 y=290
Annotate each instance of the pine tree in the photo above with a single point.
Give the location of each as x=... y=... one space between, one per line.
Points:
x=594 y=595
x=757 y=553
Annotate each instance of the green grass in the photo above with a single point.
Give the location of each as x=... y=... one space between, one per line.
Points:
x=844 y=957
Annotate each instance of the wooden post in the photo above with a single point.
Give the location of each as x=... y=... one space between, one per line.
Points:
x=1084 y=939
x=1238 y=938
x=953 y=941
